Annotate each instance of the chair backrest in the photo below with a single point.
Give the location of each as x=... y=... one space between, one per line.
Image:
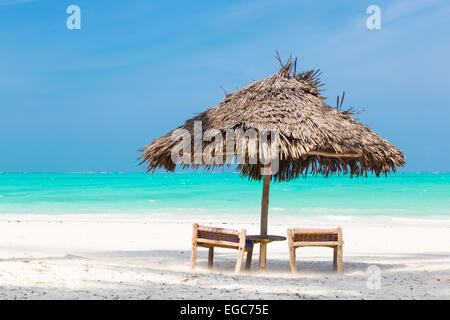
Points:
x=218 y=234
x=316 y=234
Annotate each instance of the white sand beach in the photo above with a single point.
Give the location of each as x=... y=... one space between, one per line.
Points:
x=141 y=257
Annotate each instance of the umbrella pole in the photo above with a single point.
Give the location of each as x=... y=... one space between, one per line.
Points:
x=265 y=203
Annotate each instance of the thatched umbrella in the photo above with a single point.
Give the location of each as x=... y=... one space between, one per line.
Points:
x=313 y=137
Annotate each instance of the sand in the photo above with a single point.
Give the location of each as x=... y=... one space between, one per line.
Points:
x=145 y=257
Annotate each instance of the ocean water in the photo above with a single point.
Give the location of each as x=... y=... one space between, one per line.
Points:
x=403 y=195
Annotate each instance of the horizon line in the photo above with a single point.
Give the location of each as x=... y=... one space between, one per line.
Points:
x=192 y=171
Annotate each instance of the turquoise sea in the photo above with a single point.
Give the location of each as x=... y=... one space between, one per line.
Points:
x=402 y=195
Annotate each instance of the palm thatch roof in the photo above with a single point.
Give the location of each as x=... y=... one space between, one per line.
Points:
x=314 y=137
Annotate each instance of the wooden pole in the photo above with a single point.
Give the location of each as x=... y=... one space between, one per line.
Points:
x=262 y=255
x=265 y=204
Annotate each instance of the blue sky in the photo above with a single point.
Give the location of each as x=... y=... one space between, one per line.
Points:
x=87 y=100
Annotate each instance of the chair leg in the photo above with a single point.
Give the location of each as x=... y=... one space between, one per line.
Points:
x=335 y=250
x=292 y=259
x=340 y=258
x=249 y=258
x=239 y=260
x=211 y=257
x=193 y=255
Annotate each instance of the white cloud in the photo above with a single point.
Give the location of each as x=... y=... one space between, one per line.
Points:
x=403 y=8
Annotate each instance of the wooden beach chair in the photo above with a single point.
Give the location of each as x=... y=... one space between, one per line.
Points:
x=210 y=237
x=302 y=237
